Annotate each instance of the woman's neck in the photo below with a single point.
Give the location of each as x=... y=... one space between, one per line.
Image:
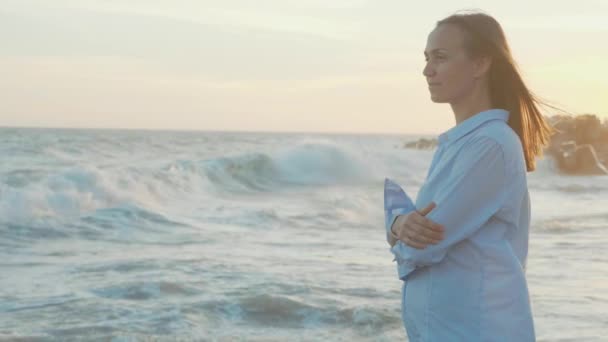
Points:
x=477 y=102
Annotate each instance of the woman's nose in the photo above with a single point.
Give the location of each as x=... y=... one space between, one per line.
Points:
x=428 y=70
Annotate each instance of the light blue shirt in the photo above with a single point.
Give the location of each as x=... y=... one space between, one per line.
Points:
x=471 y=286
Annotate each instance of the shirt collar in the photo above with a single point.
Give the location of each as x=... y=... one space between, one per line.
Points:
x=471 y=123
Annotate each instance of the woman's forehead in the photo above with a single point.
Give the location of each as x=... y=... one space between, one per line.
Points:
x=445 y=37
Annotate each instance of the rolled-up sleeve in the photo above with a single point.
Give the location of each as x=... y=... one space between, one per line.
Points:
x=396 y=202
x=475 y=191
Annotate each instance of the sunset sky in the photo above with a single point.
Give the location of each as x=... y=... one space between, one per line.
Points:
x=272 y=65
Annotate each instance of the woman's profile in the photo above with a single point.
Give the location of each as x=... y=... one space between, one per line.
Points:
x=462 y=253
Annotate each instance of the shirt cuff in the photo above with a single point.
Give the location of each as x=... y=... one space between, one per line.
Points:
x=404 y=268
x=393 y=217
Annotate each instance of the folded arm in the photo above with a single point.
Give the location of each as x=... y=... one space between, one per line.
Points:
x=476 y=191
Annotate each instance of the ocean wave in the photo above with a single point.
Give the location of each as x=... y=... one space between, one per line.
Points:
x=80 y=190
x=116 y=224
x=80 y=201
x=291 y=311
x=65 y=193
x=145 y=290
x=23 y=177
x=572 y=223
x=38 y=303
x=307 y=164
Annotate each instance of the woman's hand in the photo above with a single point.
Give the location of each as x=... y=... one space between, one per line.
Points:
x=415 y=230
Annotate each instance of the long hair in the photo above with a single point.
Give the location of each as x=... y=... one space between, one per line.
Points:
x=484 y=37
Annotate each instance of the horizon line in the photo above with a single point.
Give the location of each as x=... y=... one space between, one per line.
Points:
x=212 y=130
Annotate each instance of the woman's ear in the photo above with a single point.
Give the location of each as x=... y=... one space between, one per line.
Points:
x=482 y=66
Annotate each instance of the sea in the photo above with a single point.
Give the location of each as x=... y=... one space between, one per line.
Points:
x=141 y=235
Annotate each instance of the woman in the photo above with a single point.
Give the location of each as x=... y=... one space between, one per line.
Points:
x=463 y=256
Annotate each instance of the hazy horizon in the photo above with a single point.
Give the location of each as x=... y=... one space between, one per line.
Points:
x=195 y=130
x=273 y=66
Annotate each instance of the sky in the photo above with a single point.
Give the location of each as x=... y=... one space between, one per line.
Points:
x=272 y=65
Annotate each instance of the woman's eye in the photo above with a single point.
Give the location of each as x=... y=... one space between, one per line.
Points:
x=437 y=58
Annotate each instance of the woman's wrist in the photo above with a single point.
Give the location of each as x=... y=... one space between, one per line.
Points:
x=393 y=236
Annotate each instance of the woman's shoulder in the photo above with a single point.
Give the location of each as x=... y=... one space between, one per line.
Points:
x=498 y=132
x=501 y=134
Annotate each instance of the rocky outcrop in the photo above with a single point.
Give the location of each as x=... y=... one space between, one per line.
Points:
x=580 y=145
x=422 y=144
x=580 y=159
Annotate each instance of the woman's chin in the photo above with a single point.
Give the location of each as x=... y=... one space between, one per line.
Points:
x=438 y=99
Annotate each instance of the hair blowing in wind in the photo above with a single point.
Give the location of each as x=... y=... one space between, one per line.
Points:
x=484 y=37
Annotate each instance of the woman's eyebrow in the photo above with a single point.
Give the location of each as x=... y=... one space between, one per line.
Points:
x=434 y=51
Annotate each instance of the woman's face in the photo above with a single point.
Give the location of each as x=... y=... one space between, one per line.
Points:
x=449 y=71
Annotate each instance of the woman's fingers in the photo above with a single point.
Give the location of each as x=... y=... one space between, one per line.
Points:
x=408 y=241
x=427 y=209
x=418 y=231
x=422 y=234
x=423 y=221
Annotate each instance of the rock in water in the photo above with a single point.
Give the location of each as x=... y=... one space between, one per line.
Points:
x=580 y=160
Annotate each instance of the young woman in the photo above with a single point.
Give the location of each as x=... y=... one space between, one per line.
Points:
x=463 y=256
